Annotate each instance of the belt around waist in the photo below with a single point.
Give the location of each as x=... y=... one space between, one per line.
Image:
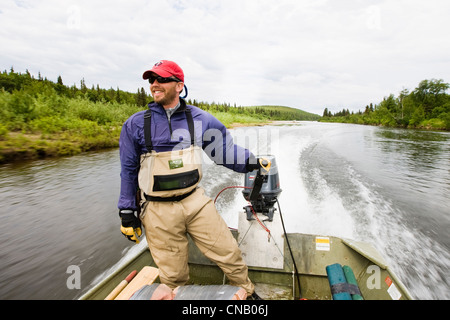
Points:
x=169 y=199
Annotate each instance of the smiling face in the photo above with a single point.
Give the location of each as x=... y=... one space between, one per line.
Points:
x=166 y=94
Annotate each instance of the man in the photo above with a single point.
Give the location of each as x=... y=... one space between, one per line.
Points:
x=160 y=153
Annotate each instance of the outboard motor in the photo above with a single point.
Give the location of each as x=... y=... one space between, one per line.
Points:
x=262 y=188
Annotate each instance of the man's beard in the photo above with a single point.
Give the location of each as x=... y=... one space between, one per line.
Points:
x=168 y=98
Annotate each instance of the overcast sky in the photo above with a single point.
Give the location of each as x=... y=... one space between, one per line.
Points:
x=307 y=54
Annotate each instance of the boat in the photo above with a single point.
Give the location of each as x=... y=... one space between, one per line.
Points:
x=283 y=266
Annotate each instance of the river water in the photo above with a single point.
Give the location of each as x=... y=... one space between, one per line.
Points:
x=388 y=187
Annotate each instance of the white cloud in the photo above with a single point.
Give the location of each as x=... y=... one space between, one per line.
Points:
x=301 y=53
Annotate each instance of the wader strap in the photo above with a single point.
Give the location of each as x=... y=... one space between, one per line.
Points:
x=147 y=128
x=169 y=199
x=190 y=121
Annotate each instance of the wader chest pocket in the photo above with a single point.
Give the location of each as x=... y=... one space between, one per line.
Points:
x=176 y=181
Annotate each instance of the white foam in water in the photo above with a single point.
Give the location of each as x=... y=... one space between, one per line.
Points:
x=412 y=255
x=301 y=213
x=325 y=212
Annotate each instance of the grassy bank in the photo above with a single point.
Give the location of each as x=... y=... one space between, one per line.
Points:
x=40 y=118
x=59 y=127
x=426 y=107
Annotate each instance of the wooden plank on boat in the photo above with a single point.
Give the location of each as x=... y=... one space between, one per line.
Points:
x=145 y=277
x=117 y=290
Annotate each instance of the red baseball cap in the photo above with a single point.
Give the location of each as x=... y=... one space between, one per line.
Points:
x=165 y=69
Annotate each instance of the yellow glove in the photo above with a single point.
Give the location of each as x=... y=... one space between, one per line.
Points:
x=131 y=225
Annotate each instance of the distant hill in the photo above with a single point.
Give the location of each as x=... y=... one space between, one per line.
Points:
x=251 y=115
x=285 y=113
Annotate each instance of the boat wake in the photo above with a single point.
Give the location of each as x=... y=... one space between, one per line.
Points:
x=342 y=202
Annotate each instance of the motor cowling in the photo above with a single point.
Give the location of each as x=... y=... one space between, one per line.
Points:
x=264 y=201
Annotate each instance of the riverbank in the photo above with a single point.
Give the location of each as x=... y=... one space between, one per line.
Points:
x=430 y=125
x=18 y=146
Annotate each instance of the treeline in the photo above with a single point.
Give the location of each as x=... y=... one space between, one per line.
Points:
x=13 y=81
x=40 y=118
x=426 y=107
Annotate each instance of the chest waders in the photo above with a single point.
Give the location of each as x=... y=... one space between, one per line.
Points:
x=171 y=175
x=175 y=206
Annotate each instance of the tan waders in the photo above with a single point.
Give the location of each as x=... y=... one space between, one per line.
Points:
x=175 y=206
x=166 y=225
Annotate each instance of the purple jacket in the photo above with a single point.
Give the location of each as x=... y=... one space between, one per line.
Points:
x=210 y=133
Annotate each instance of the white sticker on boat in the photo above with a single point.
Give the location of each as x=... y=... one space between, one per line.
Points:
x=323 y=243
x=394 y=292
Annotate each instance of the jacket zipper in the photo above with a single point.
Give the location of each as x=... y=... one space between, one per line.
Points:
x=169 y=120
x=170 y=125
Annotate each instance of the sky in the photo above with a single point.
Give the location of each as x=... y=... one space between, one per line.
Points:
x=306 y=54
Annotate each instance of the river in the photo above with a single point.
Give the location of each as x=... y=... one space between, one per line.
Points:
x=388 y=187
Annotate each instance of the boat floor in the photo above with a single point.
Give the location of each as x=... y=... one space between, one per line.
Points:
x=273 y=292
